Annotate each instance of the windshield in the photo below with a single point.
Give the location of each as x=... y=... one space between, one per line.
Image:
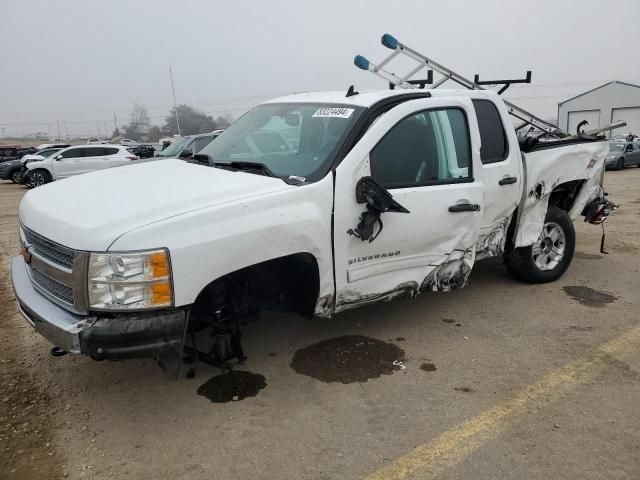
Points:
x=289 y=139
x=616 y=147
x=174 y=149
x=47 y=152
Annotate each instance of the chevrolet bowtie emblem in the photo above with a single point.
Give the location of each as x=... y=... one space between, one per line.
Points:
x=26 y=255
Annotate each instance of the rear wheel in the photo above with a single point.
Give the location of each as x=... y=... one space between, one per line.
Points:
x=38 y=178
x=550 y=256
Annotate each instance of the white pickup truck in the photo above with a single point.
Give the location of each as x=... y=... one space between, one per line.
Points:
x=314 y=203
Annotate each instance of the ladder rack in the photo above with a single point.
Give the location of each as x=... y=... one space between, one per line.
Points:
x=425 y=62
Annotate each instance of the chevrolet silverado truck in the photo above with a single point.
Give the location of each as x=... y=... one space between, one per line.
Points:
x=314 y=203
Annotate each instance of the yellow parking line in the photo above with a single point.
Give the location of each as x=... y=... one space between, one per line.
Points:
x=430 y=459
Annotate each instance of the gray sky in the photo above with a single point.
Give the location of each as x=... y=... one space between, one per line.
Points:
x=81 y=61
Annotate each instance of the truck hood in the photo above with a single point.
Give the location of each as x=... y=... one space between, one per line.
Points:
x=88 y=212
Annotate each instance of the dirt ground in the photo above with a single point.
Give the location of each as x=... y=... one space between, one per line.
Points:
x=499 y=380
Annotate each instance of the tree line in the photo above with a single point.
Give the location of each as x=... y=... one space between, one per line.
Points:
x=192 y=121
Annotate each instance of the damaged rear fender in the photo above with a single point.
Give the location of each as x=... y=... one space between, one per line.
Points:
x=548 y=170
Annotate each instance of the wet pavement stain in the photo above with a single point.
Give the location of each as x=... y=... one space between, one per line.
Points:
x=580 y=328
x=448 y=320
x=400 y=339
x=347 y=359
x=464 y=389
x=588 y=296
x=587 y=256
x=232 y=386
x=428 y=367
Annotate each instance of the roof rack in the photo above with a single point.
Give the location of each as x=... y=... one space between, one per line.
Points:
x=447 y=74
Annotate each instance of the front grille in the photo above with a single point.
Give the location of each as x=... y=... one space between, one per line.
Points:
x=55 y=288
x=50 y=250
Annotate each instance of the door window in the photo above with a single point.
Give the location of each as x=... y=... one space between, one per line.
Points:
x=199 y=143
x=74 y=153
x=493 y=138
x=426 y=148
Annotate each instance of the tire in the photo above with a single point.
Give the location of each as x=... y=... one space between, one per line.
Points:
x=37 y=178
x=548 y=258
x=620 y=164
x=16 y=176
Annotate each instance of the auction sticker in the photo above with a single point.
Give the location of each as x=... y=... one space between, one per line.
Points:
x=333 y=112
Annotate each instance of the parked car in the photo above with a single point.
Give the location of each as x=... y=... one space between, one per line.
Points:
x=189 y=146
x=388 y=194
x=623 y=154
x=76 y=160
x=143 y=150
x=13 y=169
x=10 y=152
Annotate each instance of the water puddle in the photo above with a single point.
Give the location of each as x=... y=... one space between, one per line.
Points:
x=464 y=389
x=347 y=359
x=232 y=386
x=588 y=296
x=428 y=367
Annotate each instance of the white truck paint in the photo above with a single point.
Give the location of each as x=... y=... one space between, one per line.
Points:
x=232 y=224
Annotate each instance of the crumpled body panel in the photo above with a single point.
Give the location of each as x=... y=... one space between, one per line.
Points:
x=546 y=169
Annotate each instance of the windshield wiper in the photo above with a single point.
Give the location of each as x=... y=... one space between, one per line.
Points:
x=251 y=167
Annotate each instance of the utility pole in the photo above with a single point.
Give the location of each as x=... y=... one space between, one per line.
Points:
x=66 y=132
x=58 y=129
x=175 y=107
x=115 y=122
x=3 y=133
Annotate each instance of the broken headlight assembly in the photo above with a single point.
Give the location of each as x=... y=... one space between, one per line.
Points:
x=130 y=281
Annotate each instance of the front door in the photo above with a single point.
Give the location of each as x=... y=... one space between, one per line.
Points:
x=70 y=162
x=426 y=154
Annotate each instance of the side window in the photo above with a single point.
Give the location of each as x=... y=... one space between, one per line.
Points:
x=94 y=152
x=495 y=147
x=199 y=143
x=110 y=151
x=73 y=153
x=425 y=148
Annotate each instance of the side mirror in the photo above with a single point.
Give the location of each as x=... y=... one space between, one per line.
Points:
x=58 y=157
x=186 y=153
x=379 y=201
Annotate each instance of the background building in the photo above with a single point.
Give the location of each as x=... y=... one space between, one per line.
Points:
x=607 y=103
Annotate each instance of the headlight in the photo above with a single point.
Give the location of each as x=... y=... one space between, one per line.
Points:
x=130 y=281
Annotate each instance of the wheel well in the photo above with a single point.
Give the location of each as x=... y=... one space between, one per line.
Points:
x=564 y=195
x=289 y=283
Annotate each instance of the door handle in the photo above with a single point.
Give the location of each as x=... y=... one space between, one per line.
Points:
x=508 y=181
x=464 y=207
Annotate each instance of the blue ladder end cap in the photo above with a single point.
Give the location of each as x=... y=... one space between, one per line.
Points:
x=361 y=62
x=389 y=41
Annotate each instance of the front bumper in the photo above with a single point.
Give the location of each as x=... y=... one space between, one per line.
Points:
x=116 y=337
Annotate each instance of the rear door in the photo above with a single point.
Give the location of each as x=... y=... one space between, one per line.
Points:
x=70 y=164
x=101 y=158
x=502 y=173
x=425 y=153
